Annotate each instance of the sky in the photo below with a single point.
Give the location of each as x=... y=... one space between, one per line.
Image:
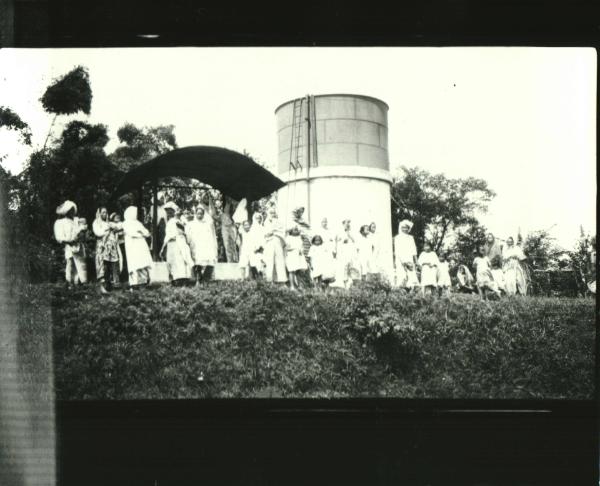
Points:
x=523 y=119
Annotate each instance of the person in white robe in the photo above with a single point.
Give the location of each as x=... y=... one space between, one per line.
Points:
x=515 y=279
x=429 y=262
x=328 y=236
x=347 y=266
x=274 y=253
x=67 y=232
x=202 y=237
x=139 y=260
x=465 y=280
x=108 y=254
x=175 y=247
x=256 y=239
x=405 y=254
x=322 y=262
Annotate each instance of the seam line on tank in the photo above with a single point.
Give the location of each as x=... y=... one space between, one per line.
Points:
x=341 y=143
x=344 y=118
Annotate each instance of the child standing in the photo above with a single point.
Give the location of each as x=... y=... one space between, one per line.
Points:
x=295 y=261
x=483 y=274
x=428 y=261
x=245 y=238
x=321 y=262
x=443 y=275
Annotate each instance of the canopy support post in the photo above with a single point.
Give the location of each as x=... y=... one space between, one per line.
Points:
x=139 y=202
x=155 y=248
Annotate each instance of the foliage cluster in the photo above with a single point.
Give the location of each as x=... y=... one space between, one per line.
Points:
x=437 y=205
x=69 y=94
x=75 y=166
x=248 y=339
x=11 y=121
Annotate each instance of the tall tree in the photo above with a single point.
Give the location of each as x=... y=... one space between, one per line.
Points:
x=139 y=145
x=542 y=251
x=437 y=205
x=76 y=168
x=68 y=95
x=467 y=240
x=10 y=183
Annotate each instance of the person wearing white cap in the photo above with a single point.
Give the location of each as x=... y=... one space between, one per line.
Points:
x=405 y=252
x=139 y=260
x=66 y=232
x=175 y=247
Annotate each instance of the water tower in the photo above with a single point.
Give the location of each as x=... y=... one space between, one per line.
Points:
x=333 y=155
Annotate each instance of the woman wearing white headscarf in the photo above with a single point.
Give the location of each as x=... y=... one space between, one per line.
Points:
x=515 y=280
x=107 y=250
x=178 y=256
x=405 y=252
x=274 y=248
x=67 y=232
x=202 y=237
x=139 y=260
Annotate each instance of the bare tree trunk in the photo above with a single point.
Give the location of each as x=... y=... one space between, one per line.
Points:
x=441 y=239
x=49 y=131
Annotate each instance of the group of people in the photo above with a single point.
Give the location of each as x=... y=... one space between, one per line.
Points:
x=304 y=257
x=121 y=247
x=498 y=269
x=265 y=249
x=285 y=252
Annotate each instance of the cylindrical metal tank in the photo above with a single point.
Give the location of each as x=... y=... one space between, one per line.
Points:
x=348 y=176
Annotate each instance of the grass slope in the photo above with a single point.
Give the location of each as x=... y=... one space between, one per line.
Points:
x=245 y=339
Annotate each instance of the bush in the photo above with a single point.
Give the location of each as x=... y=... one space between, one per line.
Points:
x=249 y=339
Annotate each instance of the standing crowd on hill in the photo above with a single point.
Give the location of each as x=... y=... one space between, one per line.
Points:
x=299 y=256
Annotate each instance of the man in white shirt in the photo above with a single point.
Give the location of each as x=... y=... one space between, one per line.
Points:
x=406 y=256
x=66 y=232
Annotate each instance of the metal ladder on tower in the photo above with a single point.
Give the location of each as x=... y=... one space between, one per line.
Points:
x=296 y=137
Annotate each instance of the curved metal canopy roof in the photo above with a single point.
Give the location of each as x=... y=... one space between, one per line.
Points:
x=232 y=173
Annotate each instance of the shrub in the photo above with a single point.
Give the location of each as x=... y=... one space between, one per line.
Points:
x=249 y=339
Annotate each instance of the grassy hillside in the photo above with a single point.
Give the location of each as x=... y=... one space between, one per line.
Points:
x=244 y=339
